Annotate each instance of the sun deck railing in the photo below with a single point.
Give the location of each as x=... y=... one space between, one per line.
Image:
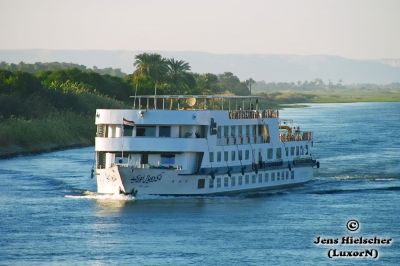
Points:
x=196 y=102
x=301 y=136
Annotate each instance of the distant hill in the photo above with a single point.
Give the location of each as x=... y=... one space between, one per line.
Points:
x=270 y=68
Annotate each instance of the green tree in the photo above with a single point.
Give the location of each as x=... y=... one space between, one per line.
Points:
x=249 y=83
x=207 y=83
x=151 y=65
x=230 y=83
x=180 y=80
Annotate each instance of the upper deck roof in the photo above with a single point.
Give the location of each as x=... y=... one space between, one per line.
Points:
x=196 y=102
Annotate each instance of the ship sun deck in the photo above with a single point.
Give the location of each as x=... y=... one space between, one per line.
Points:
x=195 y=102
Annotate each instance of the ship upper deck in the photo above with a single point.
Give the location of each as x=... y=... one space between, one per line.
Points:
x=239 y=107
x=196 y=102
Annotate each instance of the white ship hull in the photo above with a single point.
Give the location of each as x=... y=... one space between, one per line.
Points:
x=168 y=149
x=168 y=182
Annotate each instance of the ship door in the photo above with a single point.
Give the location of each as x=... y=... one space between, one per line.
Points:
x=144 y=159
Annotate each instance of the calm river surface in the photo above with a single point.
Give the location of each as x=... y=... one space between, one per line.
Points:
x=48 y=214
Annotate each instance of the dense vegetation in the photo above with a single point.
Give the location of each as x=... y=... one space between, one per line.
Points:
x=38 y=66
x=44 y=106
x=47 y=110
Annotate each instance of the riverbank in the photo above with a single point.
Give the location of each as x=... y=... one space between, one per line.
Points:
x=331 y=96
x=19 y=136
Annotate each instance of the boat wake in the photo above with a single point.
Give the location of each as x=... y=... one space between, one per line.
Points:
x=367 y=177
x=355 y=190
x=97 y=196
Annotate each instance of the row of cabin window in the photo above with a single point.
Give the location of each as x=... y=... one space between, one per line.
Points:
x=230 y=131
x=270 y=154
x=283 y=175
x=148 y=131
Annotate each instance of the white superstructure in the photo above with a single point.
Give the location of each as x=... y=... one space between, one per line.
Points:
x=196 y=145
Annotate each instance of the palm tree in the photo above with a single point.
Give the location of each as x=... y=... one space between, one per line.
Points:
x=178 y=74
x=177 y=67
x=249 y=83
x=153 y=66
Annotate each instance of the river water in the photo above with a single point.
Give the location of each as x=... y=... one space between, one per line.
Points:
x=50 y=215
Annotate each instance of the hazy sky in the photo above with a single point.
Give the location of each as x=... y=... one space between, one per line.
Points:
x=363 y=29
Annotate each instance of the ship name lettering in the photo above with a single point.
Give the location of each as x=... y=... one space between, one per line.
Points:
x=146 y=178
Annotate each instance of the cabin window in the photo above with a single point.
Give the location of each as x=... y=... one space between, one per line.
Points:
x=292 y=174
x=247 y=131
x=211 y=156
x=287 y=175
x=266 y=177
x=233 y=131
x=226 y=156
x=167 y=158
x=272 y=176
x=292 y=151
x=218 y=182
x=247 y=154
x=101 y=131
x=259 y=178
x=165 y=132
x=301 y=150
x=240 y=180
x=226 y=181
x=201 y=183
x=211 y=183
x=240 y=131
x=253 y=130
x=253 y=179
x=297 y=151
x=219 y=132
x=278 y=153
x=101 y=160
x=233 y=155
x=278 y=175
x=233 y=181
x=128 y=131
x=240 y=155
x=287 y=151
x=226 y=131
x=246 y=179
x=270 y=153
x=147 y=131
x=306 y=149
x=218 y=156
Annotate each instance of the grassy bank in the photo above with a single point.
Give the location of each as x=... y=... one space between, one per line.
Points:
x=347 y=96
x=332 y=96
x=55 y=131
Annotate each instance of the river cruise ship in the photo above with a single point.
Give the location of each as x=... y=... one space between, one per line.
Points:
x=199 y=145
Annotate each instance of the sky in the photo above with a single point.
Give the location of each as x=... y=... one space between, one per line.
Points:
x=359 y=29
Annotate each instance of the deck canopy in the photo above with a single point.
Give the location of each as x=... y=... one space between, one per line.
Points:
x=196 y=102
